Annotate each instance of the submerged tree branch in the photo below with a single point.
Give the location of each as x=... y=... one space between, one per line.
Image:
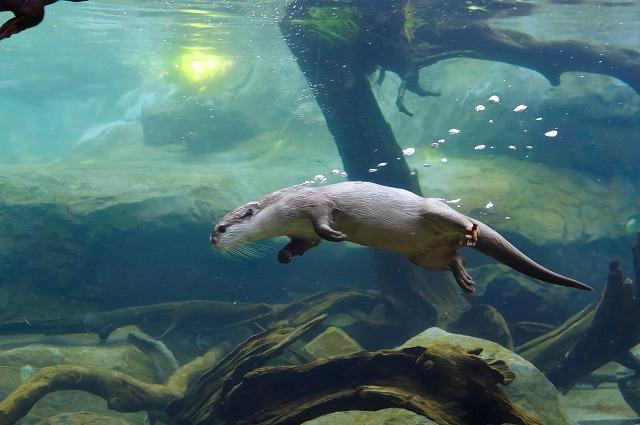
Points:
x=442 y=383
x=200 y=316
x=601 y=333
x=121 y=391
x=463 y=34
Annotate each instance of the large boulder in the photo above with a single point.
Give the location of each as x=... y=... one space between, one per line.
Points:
x=198 y=125
x=508 y=290
x=483 y=321
x=529 y=390
x=380 y=417
x=592 y=113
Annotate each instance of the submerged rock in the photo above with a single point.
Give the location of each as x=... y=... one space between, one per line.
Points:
x=332 y=342
x=484 y=321
x=508 y=291
x=605 y=404
x=529 y=390
x=83 y=418
x=20 y=364
x=380 y=417
x=200 y=127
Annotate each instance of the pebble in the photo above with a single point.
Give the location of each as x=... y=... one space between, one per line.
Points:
x=539 y=119
x=494 y=99
x=489 y=205
x=320 y=179
x=382 y=164
x=480 y=147
x=426 y=165
x=454 y=131
x=513 y=148
x=529 y=147
x=435 y=145
x=551 y=133
x=444 y=160
x=373 y=170
x=343 y=174
x=520 y=108
x=335 y=171
x=480 y=108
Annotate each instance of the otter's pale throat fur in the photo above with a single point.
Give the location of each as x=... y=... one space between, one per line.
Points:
x=425 y=230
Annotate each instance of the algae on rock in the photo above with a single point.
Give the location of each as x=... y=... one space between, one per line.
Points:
x=530 y=389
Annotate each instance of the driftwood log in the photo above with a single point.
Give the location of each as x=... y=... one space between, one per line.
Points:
x=449 y=29
x=603 y=332
x=444 y=383
x=122 y=392
x=182 y=315
x=382 y=319
x=202 y=316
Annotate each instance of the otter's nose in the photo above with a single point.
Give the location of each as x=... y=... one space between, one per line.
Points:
x=212 y=239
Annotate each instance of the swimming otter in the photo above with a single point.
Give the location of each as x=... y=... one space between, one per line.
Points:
x=28 y=13
x=426 y=230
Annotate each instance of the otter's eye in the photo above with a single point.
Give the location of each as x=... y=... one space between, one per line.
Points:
x=247 y=213
x=222 y=228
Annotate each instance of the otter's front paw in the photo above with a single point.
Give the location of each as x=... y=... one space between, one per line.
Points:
x=329 y=234
x=285 y=256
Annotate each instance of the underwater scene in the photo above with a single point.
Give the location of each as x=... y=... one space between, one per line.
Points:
x=464 y=174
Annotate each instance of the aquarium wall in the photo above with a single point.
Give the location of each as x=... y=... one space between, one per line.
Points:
x=128 y=129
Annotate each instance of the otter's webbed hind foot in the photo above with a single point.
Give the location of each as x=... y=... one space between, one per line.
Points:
x=464 y=279
x=295 y=247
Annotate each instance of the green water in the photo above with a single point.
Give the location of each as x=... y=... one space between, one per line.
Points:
x=128 y=128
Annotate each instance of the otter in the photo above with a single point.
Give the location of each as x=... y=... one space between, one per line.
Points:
x=426 y=230
x=28 y=13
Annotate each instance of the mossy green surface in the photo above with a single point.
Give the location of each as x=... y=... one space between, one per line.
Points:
x=334 y=24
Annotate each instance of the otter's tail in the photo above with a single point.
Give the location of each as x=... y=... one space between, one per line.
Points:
x=491 y=243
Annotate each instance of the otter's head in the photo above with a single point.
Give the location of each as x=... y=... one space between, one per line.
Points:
x=236 y=228
x=255 y=220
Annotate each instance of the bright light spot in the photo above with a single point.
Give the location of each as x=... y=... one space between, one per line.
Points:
x=200 y=66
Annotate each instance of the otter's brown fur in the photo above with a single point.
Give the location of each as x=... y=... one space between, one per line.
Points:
x=426 y=230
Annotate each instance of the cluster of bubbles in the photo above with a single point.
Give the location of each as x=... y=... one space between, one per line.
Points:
x=409 y=151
